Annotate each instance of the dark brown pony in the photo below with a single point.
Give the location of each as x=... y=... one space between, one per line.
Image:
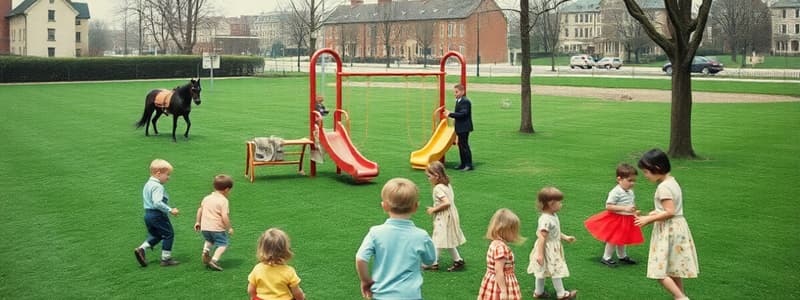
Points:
x=180 y=104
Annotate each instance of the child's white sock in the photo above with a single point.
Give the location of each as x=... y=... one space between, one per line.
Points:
x=166 y=254
x=539 y=286
x=559 y=286
x=609 y=251
x=145 y=245
x=454 y=254
x=621 y=251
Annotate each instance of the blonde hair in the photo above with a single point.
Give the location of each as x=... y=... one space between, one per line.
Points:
x=159 y=165
x=274 y=247
x=400 y=194
x=547 y=195
x=504 y=226
x=436 y=169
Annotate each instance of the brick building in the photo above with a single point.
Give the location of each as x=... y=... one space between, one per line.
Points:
x=416 y=28
x=5 y=38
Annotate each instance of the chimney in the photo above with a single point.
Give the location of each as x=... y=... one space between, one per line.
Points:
x=5 y=40
x=356 y=2
x=384 y=2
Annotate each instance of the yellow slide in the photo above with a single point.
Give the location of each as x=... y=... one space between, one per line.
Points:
x=436 y=147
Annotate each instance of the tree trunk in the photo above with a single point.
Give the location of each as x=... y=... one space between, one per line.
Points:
x=734 y=47
x=526 y=120
x=680 y=137
x=553 y=61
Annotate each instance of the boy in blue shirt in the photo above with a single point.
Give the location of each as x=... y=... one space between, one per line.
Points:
x=398 y=248
x=156 y=214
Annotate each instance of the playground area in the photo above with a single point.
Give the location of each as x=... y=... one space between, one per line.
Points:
x=75 y=166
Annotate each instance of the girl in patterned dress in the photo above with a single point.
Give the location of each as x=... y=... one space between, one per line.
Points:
x=672 y=252
x=447 y=232
x=503 y=228
x=547 y=255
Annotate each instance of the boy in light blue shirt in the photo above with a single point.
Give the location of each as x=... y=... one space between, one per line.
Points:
x=398 y=248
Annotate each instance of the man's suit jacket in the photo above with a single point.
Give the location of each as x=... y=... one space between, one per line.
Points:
x=463 y=115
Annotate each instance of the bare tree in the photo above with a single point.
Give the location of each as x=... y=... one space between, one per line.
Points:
x=685 y=34
x=526 y=13
x=742 y=22
x=311 y=14
x=348 y=40
x=424 y=35
x=99 y=38
x=620 y=27
x=548 y=28
x=180 y=20
x=390 y=29
x=296 y=25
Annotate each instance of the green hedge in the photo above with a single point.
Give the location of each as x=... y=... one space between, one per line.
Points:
x=41 y=69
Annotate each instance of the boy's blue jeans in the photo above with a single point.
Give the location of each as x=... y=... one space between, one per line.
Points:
x=158 y=228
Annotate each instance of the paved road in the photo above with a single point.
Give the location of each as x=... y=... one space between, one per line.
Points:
x=506 y=70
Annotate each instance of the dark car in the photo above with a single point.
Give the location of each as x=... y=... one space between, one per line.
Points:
x=700 y=64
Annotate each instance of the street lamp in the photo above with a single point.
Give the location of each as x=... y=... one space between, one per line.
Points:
x=478 y=60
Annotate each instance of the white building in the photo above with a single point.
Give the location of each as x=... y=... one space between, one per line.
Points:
x=49 y=28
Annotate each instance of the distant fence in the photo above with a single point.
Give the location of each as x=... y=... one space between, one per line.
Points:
x=44 y=69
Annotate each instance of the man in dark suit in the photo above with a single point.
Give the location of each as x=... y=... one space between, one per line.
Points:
x=463 y=119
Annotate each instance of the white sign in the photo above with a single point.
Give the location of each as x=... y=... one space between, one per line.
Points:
x=210 y=61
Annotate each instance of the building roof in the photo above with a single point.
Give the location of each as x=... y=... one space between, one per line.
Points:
x=579 y=6
x=786 y=4
x=403 y=11
x=82 y=8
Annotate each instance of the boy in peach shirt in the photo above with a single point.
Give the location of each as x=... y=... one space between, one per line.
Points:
x=213 y=220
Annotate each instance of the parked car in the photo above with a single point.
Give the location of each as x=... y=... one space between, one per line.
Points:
x=608 y=63
x=700 y=64
x=581 y=61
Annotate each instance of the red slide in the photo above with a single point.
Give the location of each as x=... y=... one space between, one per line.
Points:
x=341 y=150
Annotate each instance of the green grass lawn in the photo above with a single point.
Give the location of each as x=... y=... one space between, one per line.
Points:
x=770 y=62
x=74 y=167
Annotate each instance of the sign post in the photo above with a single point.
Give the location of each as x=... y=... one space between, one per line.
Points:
x=211 y=62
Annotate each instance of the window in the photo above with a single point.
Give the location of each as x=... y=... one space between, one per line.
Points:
x=783 y=28
x=566 y=32
x=51 y=15
x=51 y=51
x=797 y=13
x=52 y=1
x=576 y=18
x=796 y=28
x=78 y=52
x=77 y=37
x=576 y=32
x=77 y=22
x=784 y=13
x=461 y=30
x=51 y=34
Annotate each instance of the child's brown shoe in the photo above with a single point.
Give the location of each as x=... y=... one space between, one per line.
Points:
x=543 y=295
x=206 y=257
x=139 y=253
x=457 y=266
x=169 y=262
x=569 y=295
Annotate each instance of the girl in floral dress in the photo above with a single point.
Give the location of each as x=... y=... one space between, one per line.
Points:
x=547 y=256
x=672 y=253
x=500 y=282
x=447 y=232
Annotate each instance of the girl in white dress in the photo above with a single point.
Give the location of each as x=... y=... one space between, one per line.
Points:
x=672 y=252
x=547 y=255
x=447 y=232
